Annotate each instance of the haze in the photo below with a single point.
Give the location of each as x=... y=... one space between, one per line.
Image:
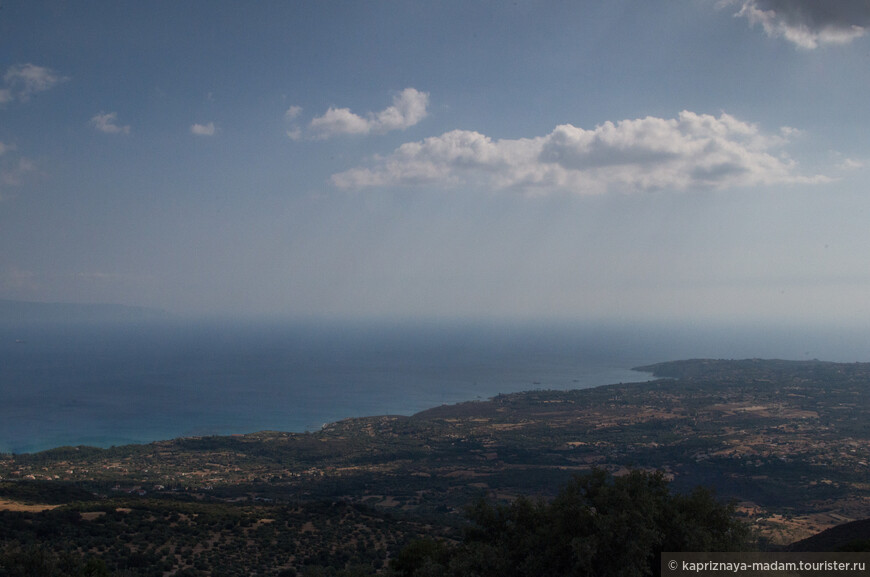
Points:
x=692 y=160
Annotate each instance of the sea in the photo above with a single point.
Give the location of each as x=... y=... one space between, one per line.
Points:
x=116 y=383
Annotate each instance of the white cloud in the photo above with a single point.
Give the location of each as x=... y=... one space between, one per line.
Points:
x=340 y=121
x=4 y=148
x=203 y=129
x=294 y=131
x=108 y=122
x=293 y=112
x=24 y=80
x=692 y=151
x=409 y=108
x=808 y=23
x=850 y=164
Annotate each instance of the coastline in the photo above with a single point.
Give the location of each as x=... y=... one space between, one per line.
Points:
x=34 y=446
x=105 y=385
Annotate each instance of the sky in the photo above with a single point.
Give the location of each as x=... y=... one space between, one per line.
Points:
x=693 y=160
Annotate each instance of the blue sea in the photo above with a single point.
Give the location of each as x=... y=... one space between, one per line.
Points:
x=105 y=384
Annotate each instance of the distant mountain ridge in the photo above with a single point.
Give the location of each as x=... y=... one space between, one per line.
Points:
x=12 y=311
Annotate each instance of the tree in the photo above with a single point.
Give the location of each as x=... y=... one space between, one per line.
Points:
x=597 y=525
x=36 y=561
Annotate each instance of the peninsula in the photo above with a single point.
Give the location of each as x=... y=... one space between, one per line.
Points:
x=788 y=441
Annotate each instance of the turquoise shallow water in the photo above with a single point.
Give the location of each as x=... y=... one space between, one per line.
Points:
x=106 y=385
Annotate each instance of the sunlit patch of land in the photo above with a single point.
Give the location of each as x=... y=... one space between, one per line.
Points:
x=7 y=505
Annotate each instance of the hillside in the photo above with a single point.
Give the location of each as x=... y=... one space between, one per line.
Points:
x=787 y=440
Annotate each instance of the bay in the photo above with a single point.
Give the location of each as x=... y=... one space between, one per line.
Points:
x=105 y=384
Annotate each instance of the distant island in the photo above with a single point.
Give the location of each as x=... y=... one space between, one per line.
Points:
x=13 y=311
x=787 y=441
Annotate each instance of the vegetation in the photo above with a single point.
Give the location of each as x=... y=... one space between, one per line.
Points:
x=156 y=537
x=597 y=525
x=36 y=561
x=787 y=442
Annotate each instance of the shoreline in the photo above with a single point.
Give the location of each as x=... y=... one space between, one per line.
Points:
x=118 y=443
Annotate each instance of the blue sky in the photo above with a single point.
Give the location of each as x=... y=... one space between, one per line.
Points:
x=694 y=160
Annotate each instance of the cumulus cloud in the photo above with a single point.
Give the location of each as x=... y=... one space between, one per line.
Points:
x=808 y=23
x=692 y=151
x=409 y=108
x=108 y=122
x=24 y=80
x=204 y=129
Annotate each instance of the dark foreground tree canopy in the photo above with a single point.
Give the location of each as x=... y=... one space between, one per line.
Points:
x=598 y=525
x=36 y=561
